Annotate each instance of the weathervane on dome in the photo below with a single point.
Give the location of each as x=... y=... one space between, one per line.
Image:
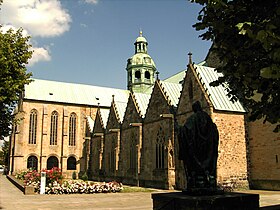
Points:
x=140 y=33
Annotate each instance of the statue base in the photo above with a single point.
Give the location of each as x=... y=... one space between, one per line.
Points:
x=225 y=201
x=203 y=191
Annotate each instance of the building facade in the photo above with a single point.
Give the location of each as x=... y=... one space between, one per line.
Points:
x=50 y=135
x=55 y=122
x=130 y=135
x=229 y=118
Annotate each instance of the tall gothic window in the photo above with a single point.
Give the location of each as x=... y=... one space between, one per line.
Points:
x=112 y=161
x=72 y=129
x=132 y=155
x=113 y=155
x=160 y=149
x=53 y=134
x=32 y=162
x=32 y=127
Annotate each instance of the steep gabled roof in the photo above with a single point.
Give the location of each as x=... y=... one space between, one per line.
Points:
x=120 y=106
x=217 y=95
x=45 y=90
x=90 y=123
x=172 y=92
x=177 y=78
x=142 y=101
x=120 y=110
x=104 y=114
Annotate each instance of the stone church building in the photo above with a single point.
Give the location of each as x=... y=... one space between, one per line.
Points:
x=130 y=135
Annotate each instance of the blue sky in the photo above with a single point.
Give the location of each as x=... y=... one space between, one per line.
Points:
x=89 y=41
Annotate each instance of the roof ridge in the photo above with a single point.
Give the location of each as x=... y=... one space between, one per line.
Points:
x=218 y=95
x=136 y=103
x=165 y=93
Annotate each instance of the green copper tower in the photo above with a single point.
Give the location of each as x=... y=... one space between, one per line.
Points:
x=140 y=68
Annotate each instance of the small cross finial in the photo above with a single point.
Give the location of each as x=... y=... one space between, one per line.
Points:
x=157 y=73
x=190 y=57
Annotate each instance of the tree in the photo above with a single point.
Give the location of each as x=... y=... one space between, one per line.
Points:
x=14 y=55
x=4 y=154
x=246 y=39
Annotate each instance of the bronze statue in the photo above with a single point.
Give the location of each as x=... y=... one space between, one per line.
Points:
x=198 y=148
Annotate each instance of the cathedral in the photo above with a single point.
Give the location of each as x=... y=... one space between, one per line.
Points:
x=130 y=136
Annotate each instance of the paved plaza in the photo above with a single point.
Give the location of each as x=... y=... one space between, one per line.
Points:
x=11 y=199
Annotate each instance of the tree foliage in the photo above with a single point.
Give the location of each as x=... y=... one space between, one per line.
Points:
x=246 y=39
x=4 y=153
x=14 y=55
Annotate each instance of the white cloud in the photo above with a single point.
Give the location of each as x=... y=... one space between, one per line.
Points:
x=45 y=18
x=39 y=54
x=5 y=28
x=91 y=1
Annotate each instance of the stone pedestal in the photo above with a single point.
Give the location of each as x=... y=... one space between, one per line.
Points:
x=29 y=190
x=227 y=201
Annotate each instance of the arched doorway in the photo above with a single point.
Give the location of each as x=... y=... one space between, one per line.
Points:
x=52 y=162
x=71 y=163
x=32 y=162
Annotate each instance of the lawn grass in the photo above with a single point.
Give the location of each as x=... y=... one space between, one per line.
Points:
x=129 y=189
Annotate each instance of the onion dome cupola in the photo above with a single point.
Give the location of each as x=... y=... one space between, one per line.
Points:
x=140 y=68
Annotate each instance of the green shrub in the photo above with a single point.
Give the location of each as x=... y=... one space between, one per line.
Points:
x=20 y=175
x=84 y=177
x=74 y=175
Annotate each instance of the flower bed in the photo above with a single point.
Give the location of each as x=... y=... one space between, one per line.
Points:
x=54 y=184
x=71 y=187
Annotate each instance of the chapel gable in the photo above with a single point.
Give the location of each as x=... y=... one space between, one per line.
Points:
x=192 y=91
x=98 y=125
x=113 y=121
x=132 y=113
x=158 y=104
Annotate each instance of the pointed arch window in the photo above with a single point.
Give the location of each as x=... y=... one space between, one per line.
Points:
x=53 y=133
x=112 y=161
x=72 y=129
x=160 y=149
x=112 y=156
x=32 y=127
x=132 y=155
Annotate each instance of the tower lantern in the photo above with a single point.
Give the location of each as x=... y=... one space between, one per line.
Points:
x=140 y=67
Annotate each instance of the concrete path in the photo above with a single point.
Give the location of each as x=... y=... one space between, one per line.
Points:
x=12 y=199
